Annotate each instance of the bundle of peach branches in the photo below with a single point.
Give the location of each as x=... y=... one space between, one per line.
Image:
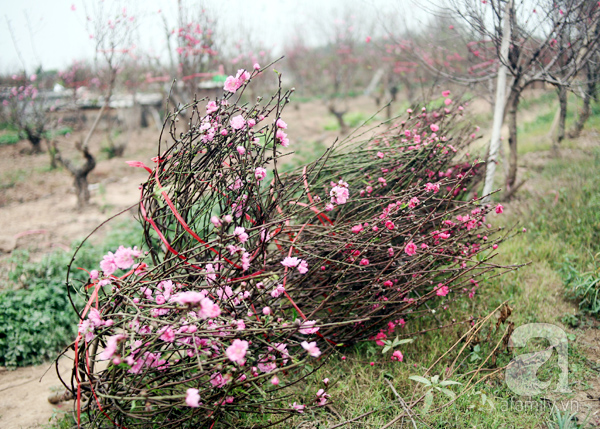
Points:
x=249 y=279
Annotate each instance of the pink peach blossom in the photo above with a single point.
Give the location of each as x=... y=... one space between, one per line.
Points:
x=260 y=173
x=311 y=348
x=308 y=327
x=236 y=352
x=232 y=84
x=397 y=356
x=442 y=290
x=237 y=122
x=192 y=398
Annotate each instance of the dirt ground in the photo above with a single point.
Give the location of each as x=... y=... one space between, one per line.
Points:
x=24 y=395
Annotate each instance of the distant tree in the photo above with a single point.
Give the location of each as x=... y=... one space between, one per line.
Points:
x=547 y=41
x=588 y=92
x=26 y=108
x=193 y=49
x=247 y=51
x=336 y=68
x=112 y=29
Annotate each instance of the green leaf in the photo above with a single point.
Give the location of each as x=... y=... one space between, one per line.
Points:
x=435 y=379
x=449 y=382
x=428 y=401
x=420 y=379
x=447 y=392
x=400 y=342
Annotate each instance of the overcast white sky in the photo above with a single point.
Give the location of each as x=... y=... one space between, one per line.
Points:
x=50 y=33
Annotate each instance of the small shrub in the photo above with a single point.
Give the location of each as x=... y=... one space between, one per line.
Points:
x=34 y=323
x=37 y=318
x=9 y=139
x=582 y=287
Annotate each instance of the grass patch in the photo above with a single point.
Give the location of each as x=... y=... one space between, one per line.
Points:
x=570 y=215
x=63 y=131
x=534 y=136
x=532 y=102
x=9 y=138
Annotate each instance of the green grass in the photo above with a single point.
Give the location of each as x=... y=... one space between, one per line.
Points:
x=7 y=126
x=542 y=100
x=534 y=135
x=9 y=138
x=59 y=132
x=10 y=135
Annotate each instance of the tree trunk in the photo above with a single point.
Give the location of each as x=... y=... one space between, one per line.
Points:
x=35 y=140
x=513 y=103
x=584 y=115
x=562 y=118
x=499 y=108
x=80 y=175
x=585 y=110
x=81 y=189
x=52 y=151
x=339 y=115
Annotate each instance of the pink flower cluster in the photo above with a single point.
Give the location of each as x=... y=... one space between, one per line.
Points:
x=236 y=352
x=232 y=84
x=311 y=348
x=123 y=258
x=339 y=193
x=294 y=262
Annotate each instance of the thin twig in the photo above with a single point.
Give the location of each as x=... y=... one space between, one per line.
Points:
x=402 y=403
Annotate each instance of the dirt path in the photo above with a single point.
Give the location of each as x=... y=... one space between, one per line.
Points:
x=24 y=395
